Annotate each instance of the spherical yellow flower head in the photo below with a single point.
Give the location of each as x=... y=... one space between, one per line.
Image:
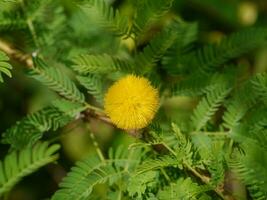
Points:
x=131 y=102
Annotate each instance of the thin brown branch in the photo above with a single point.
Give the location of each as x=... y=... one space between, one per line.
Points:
x=27 y=61
x=202 y=177
x=90 y=113
x=16 y=55
x=205 y=180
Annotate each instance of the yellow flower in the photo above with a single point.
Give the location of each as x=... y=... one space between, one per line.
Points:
x=131 y=102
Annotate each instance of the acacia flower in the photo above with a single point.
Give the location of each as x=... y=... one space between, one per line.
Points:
x=131 y=102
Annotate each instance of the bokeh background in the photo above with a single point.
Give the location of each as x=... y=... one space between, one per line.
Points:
x=21 y=95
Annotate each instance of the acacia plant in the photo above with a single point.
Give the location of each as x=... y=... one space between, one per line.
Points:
x=133 y=57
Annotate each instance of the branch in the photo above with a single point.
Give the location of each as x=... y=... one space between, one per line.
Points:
x=26 y=60
x=203 y=178
x=17 y=55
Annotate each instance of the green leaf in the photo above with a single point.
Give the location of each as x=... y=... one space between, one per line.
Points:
x=5 y=67
x=106 y=16
x=11 y=22
x=208 y=106
x=210 y=57
x=31 y=128
x=94 y=85
x=259 y=83
x=183 y=189
x=251 y=169
x=138 y=184
x=158 y=163
x=56 y=80
x=148 y=13
x=238 y=105
x=155 y=50
x=19 y=164
x=80 y=181
x=94 y=64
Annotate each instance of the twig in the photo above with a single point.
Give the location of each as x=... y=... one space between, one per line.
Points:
x=203 y=178
x=16 y=54
x=92 y=112
x=27 y=61
x=96 y=145
x=213 y=134
x=30 y=25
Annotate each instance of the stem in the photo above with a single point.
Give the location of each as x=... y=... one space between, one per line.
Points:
x=169 y=148
x=165 y=174
x=129 y=156
x=99 y=110
x=230 y=148
x=30 y=25
x=214 y=134
x=16 y=54
x=97 y=113
x=203 y=178
x=96 y=145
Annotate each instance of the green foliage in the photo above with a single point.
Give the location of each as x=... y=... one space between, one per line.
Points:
x=5 y=67
x=148 y=13
x=208 y=106
x=8 y=22
x=54 y=79
x=196 y=85
x=138 y=184
x=210 y=57
x=183 y=189
x=82 y=178
x=260 y=84
x=106 y=16
x=219 y=105
x=240 y=103
x=19 y=164
x=216 y=163
x=155 y=50
x=30 y=129
x=251 y=168
x=84 y=64
x=94 y=86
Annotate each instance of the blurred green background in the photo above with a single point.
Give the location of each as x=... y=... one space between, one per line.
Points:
x=21 y=95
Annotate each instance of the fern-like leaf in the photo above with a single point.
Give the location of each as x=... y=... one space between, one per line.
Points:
x=106 y=16
x=87 y=63
x=19 y=164
x=195 y=85
x=94 y=86
x=208 y=106
x=239 y=104
x=216 y=164
x=259 y=83
x=139 y=184
x=5 y=67
x=79 y=182
x=30 y=129
x=148 y=13
x=186 y=35
x=210 y=57
x=13 y=22
x=155 y=164
x=55 y=80
x=183 y=189
x=251 y=169
x=156 y=48
x=252 y=128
